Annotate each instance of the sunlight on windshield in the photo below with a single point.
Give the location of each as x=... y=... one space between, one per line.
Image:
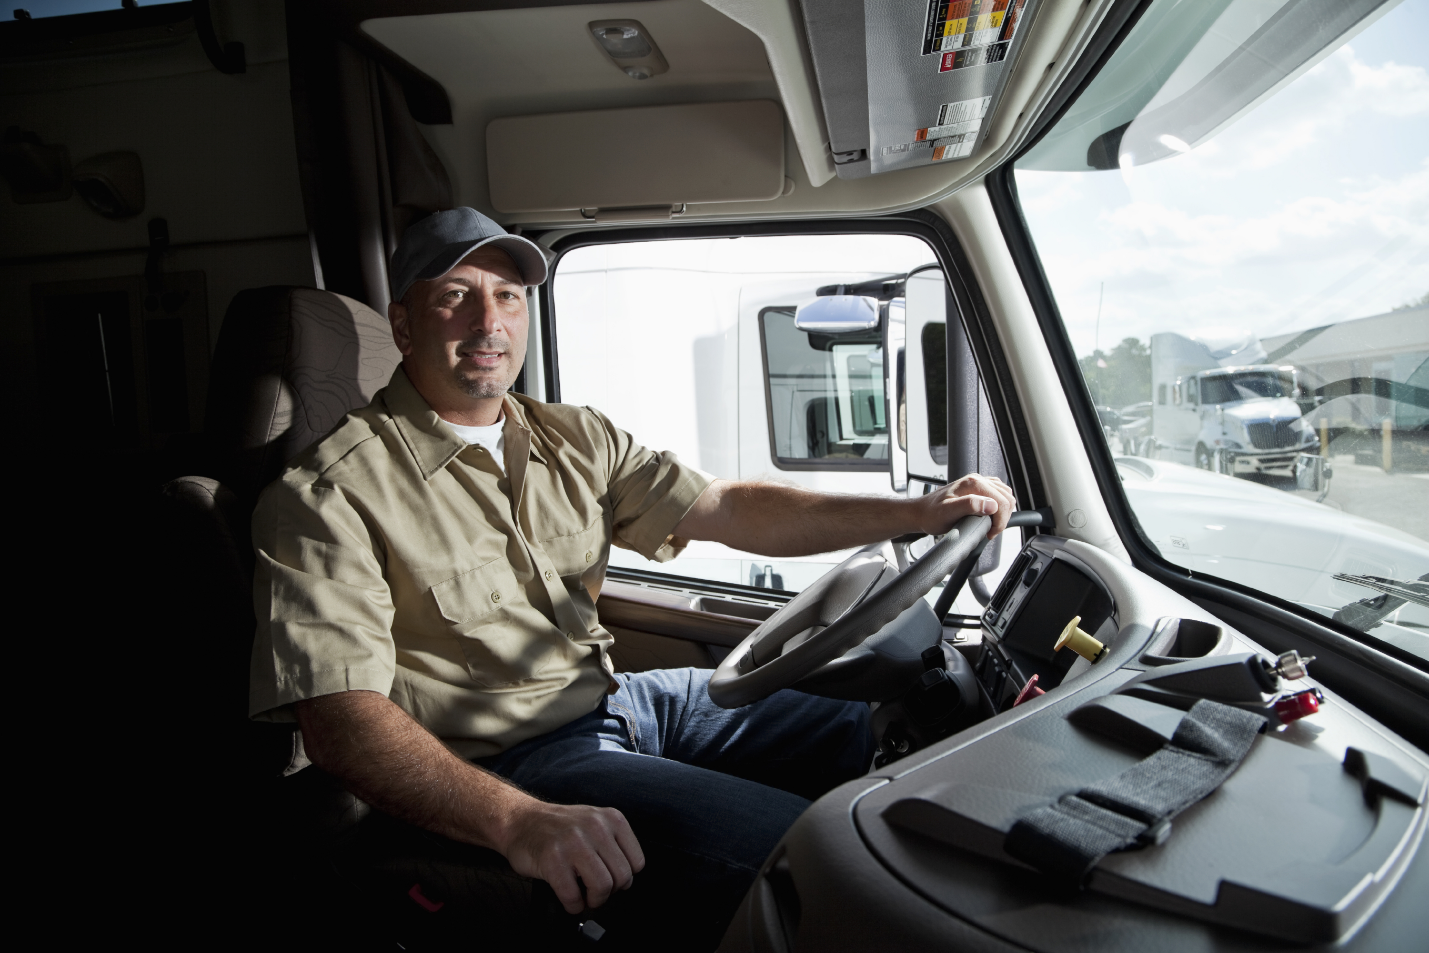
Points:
x=1234 y=218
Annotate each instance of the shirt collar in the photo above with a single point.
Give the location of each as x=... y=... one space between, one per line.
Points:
x=431 y=442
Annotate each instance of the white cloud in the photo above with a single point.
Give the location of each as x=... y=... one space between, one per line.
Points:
x=1312 y=208
x=1391 y=89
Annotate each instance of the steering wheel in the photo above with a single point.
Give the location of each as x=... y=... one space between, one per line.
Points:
x=848 y=604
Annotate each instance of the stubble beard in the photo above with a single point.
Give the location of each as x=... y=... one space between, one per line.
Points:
x=482 y=387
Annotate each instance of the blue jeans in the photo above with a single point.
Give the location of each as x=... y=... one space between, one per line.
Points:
x=708 y=791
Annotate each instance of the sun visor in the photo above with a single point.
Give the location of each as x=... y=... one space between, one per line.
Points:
x=622 y=158
x=912 y=84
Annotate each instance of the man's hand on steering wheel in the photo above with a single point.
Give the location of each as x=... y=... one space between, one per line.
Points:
x=973 y=495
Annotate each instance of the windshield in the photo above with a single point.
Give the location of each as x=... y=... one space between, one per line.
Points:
x=1248 y=385
x=1246 y=182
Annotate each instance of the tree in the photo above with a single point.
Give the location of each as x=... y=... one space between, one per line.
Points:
x=1420 y=302
x=1120 y=377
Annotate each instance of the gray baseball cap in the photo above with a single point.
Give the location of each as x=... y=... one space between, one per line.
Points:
x=433 y=246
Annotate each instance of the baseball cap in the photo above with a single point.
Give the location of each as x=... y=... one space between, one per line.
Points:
x=433 y=246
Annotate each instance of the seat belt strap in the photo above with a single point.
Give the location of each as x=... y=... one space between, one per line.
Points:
x=1066 y=838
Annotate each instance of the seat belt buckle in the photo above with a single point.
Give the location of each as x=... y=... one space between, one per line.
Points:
x=1155 y=835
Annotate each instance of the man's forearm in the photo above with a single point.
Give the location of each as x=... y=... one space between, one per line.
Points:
x=400 y=768
x=391 y=762
x=774 y=519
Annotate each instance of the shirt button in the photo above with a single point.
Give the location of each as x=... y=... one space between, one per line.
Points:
x=550 y=575
x=588 y=557
x=496 y=597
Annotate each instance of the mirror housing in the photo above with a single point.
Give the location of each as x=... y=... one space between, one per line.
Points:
x=837 y=314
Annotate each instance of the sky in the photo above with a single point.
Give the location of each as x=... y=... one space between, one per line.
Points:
x=1312 y=208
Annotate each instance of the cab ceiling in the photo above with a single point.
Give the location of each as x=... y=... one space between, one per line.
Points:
x=537 y=60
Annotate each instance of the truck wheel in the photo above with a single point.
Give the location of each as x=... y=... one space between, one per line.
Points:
x=1203 y=457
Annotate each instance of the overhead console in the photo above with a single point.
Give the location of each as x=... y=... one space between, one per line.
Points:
x=911 y=84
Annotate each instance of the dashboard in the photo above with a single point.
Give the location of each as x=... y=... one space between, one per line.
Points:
x=1312 y=840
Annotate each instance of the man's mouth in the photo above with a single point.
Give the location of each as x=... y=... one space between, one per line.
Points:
x=488 y=358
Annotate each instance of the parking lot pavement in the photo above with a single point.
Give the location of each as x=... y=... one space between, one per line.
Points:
x=1396 y=499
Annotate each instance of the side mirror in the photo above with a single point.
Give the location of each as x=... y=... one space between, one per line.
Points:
x=925 y=335
x=837 y=314
x=895 y=391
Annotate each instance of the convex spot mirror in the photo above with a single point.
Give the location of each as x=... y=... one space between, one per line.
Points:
x=837 y=314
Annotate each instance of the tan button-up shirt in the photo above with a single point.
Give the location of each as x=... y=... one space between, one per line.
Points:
x=393 y=557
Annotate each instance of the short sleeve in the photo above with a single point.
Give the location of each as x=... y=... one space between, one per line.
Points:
x=650 y=492
x=324 y=609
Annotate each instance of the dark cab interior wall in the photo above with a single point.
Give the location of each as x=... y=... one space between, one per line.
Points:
x=367 y=171
x=182 y=190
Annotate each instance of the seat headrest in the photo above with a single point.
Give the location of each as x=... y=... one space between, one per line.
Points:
x=289 y=364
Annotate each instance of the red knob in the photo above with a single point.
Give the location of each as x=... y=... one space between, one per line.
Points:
x=1297 y=706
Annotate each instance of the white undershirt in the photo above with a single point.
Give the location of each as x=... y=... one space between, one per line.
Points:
x=489 y=437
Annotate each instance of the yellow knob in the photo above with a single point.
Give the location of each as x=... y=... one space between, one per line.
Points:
x=1078 y=641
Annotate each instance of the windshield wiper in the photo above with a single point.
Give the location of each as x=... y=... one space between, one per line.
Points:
x=1368 y=613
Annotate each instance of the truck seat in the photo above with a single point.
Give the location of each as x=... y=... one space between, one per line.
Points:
x=289 y=364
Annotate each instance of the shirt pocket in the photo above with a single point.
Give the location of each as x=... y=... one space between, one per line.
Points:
x=580 y=557
x=479 y=607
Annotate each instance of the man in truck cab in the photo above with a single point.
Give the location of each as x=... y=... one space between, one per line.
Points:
x=426 y=586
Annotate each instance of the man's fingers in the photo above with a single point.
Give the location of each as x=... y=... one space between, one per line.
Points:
x=587 y=855
x=599 y=884
x=616 y=865
x=1004 y=510
x=629 y=846
x=563 y=882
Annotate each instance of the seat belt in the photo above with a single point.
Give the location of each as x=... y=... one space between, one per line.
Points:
x=1066 y=838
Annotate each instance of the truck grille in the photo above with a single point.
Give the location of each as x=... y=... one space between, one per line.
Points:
x=1272 y=434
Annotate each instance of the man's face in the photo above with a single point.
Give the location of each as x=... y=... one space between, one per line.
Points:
x=463 y=336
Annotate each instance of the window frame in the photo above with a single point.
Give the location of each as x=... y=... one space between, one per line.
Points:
x=1009 y=419
x=1355 y=663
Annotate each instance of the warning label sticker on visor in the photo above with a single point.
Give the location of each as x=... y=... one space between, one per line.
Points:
x=959 y=27
x=954 y=133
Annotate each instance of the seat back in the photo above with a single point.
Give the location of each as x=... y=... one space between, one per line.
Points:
x=289 y=364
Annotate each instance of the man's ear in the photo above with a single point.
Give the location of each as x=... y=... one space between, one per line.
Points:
x=399 y=317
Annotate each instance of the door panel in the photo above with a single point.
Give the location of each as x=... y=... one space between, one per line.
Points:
x=664 y=627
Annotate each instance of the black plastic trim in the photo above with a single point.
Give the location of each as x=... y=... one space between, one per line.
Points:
x=227 y=57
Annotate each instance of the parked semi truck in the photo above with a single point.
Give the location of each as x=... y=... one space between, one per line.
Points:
x=1218 y=406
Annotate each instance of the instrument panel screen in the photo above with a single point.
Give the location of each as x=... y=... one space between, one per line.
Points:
x=1061 y=592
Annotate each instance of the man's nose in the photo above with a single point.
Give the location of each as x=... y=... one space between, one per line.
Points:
x=485 y=316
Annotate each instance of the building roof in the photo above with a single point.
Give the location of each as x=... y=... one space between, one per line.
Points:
x=1378 y=335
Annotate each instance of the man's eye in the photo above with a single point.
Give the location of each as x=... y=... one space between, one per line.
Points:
x=455 y=294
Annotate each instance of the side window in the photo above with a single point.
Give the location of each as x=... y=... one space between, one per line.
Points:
x=690 y=346
x=827 y=409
